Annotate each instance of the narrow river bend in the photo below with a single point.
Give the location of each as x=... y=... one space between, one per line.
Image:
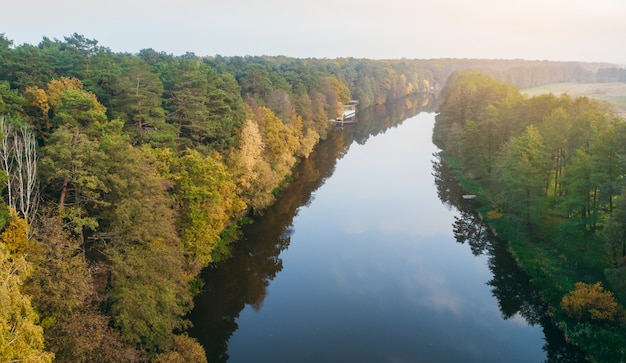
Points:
x=371 y=255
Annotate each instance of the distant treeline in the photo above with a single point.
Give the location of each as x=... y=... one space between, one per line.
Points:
x=611 y=74
x=126 y=174
x=549 y=172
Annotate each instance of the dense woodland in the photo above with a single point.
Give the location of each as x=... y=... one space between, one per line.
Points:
x=126 y=174
x=549 y=172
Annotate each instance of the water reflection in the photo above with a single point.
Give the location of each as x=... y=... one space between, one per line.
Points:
x=511 y=286
x=243 y=279
x=427 y=296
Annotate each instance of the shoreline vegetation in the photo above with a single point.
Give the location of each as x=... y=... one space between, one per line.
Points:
x=126 y=174
x=547 y=172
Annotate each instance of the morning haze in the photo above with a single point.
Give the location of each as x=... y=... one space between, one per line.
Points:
x=551 y=30
x=321 y=181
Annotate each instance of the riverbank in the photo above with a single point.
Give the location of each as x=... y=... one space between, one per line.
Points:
x=295 y=301
x=547 y=178
x=549 y=274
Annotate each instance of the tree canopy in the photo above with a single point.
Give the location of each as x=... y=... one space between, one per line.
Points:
x=551 y=172
x=126 y=173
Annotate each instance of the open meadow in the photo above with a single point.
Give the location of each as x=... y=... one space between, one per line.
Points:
x=615 y=93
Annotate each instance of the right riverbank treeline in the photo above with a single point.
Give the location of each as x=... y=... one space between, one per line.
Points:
x=548 y=173
x=126 y=174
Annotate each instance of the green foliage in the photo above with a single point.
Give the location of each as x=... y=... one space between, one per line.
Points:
x=206 y=194
x=606 y=343
x=522 y=175
x=615 y=232
x=72 y=163
x=137 y=207
x=555 y=182
x=148 y=160
x=616 y=279
x=149 y=293
x=63 y=291
x=10 y=100
x=61 y=283
x=184 y=101
x=78 y=107
x=467 y=96
x=138 y=100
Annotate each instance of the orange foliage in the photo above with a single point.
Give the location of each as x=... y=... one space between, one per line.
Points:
x=38 y=99
x=15 y=235
x=590 y=302
x=58 y=86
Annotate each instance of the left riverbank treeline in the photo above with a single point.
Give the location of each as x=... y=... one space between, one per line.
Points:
x=126 y=174
x=548 y=173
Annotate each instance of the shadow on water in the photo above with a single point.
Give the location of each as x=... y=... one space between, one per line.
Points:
x=511 y=286
x=242 y=280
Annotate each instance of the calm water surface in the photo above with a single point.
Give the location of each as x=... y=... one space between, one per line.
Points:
x=360 y=261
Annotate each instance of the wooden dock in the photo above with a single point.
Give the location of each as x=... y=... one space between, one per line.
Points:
x=348 y=115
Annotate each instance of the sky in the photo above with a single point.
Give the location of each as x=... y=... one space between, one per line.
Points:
x=561 y=30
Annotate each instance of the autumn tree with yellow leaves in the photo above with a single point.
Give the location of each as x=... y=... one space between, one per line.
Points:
x=590 y=302
x=21 y=338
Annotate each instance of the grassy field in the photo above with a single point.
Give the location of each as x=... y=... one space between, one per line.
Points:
x=615 y=93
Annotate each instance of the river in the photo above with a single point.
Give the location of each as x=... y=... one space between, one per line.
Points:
x=372 y=255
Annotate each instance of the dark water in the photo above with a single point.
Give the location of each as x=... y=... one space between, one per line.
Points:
x=372 y=255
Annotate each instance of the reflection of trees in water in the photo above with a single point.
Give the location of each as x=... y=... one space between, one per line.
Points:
x=378 y=119
x=465 y=229
x=243 y=279
x=448 y=190
x=511 y=286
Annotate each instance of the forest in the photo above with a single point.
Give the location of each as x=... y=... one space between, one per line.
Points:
x=549 y=175
x=124 y=175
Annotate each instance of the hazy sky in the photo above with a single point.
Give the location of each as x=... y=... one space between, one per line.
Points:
x=577 y=30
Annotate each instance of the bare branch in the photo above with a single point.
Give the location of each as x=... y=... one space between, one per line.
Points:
x=18 y=159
